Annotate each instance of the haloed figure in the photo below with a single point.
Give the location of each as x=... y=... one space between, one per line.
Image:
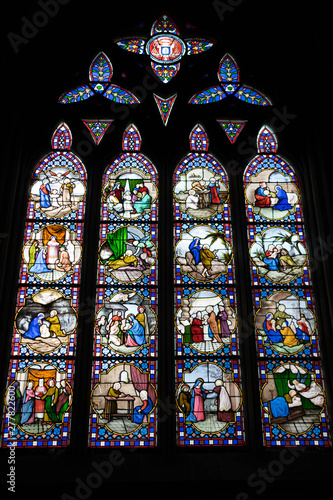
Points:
x=198 y=396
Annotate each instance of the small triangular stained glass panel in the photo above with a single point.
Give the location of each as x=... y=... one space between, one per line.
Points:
x=165 y=106
x=97 y=128
x=232 y=128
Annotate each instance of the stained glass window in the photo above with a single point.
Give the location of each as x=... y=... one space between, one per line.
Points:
x=124 y=388
x=100 y=75
x=228 y=75
x=135 y=262
x=292 y=389
x=165 y=47
x=232 y=128
x=165 y=106
x=97 y=128
x=40 y=387
x=208 y=378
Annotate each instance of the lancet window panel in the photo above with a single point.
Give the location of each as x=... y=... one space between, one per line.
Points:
x=291 y=383
x=287 y=239
x=124 y=376
x=307 y=422
x=129 y=191
x=216 y=264
x=128 y=254
x=46 y=426
x=38 y=235
x=117 y=332
x=208 y=383
x=115 y=421
x=219 y=420
x=206 y=321
x=200 y=184
x=40 y=390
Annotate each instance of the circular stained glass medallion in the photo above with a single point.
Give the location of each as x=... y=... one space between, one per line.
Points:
x=165 y=48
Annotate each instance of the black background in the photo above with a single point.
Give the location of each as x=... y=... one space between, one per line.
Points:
x=283 y=49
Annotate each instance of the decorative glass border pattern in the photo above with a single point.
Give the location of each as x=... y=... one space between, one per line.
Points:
x=291 y=383
x=124 y=378
x=39 y=391
x=208 y=383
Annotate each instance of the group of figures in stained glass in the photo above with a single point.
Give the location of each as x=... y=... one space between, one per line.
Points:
x=208 y=397
x=124 y=374
x=123 y=400
x=52 y=252
x=125 y=323
x=47 y=301
x=46 y=322
x=124 y=395
x=57 y=192
x=199 y=193
x=128 y=253
x=285 y=323
x=206 y=321
x=292 y=394
x=129 y=194
x=42 y=398
x=294 y=401
x=203 y=253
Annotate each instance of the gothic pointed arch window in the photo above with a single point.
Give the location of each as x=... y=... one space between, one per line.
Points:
x=164 y=300
x=124 y=392
x=40 y=386
x=208 y=385
x=291 y=383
